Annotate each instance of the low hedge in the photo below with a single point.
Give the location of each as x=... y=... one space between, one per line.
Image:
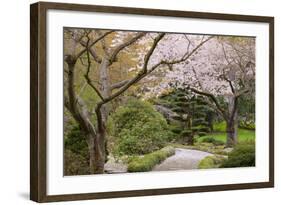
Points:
x=147 y=162
x=211 y=162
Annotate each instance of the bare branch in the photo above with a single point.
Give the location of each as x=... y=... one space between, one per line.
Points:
x=124 y=45
x=88 y=79
x=93 y=43
x=119 y=84
x=95 y=55
x=92 y=52
x=231 y=86
x=229 y=82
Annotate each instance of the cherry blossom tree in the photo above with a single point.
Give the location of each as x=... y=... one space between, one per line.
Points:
x=224 y=68
x=101 y=50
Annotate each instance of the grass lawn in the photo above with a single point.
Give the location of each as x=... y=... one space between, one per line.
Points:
x=243 y=135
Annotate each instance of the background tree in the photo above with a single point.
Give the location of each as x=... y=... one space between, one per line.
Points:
x=223 y=71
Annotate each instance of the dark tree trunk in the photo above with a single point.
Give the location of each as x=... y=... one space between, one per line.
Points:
x=231 y=124
x=95 y=138
x=99 y=154
x=231 y=130
x=97 y=150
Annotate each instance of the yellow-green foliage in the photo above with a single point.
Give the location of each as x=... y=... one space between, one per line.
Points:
x=211 y=162
x=147 y=162
x=220 y=127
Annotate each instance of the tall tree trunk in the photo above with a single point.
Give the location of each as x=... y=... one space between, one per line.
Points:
x=80 y=113
x=99 y=154
x=102 y=113
x=231 y=130
x=96 y=148
x=231 y=123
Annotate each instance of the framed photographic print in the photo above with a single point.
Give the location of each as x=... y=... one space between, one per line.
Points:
x=134 y=102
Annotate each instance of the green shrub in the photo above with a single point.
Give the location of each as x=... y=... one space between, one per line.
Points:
x=76 y=155
x=147 y=162
x=139 y=129
x=243 y=155
x=76 y=142
x=213 y=141
x=211 y=162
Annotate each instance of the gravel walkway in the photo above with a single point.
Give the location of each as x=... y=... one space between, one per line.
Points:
x=182 y=160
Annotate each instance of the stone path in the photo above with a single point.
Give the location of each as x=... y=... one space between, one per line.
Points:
x=182 y=160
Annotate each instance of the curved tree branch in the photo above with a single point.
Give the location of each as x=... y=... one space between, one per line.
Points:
x=92 y=44
x=119 y=84
x=119 y=48
x=213 y=98
x=88 y=79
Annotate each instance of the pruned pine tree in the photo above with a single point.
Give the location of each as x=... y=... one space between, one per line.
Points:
x=191 y=114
